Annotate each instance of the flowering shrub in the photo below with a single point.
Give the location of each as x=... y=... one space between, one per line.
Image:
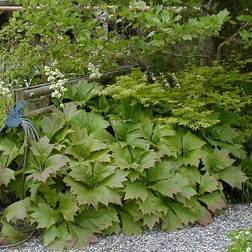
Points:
x=94 y=72
x=57 y=80
x=242 y=241
x=6 y=97
x=5 y=91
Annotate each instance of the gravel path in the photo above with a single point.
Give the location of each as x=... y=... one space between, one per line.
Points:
x=212 y=238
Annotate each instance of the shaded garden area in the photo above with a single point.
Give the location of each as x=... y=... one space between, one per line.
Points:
x=144 y=121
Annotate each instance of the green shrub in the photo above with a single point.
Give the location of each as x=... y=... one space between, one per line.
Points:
x=201 y=98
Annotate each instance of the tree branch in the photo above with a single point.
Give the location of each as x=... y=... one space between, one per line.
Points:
x=228 y=41
x=187 y=56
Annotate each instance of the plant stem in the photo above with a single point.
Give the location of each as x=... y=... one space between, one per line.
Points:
x=24 y=166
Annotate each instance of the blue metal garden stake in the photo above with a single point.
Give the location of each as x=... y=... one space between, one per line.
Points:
x=15 y=119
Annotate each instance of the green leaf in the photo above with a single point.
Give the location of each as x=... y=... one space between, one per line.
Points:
x=100 y=194
x=130 y=227
x=93 y=173
x=233 y=176
x=50 y=235
x=9 y=152
x=162 y=170
x=185 y=215
x=214 y=201
x=150 y=220
x=10 y=149
x=225 y=133
x=192 y=142
x=97 y=220
x=132 y=208
x=208 y=183
x=129 y=134
x=52 y=124
x=52 y=165
x=218 y=160
x=193 y=157
x=145 y=159
x=192 y=174
x=11 y=234
x=60 y=243
x=91 y=121
x=171 y=221
x=205 y=216
x=116 y=180
x=122 y=156
x=67 y=206
x=41 y=150
x=81 y=236
x=70 y=111
x=168 y=187
x=136 y=190
x=16 y=211
x=137 y=158
x=152 y=205
x=6 y=175
x=172 y=186
x=87 y=146
x=50 y=194
x=83 y=92
x=44 y=215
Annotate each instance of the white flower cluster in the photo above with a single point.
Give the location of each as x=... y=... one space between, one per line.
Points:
x=176 y=81
x=242 y=233
x=57 y=80
x=139 y=5
x=244 y=237
x=5 y=91
x=94 y=72
x=162 y=79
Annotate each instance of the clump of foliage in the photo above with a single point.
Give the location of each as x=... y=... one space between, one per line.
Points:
x=241 y=241
x=154 y=150
x=106 y=165
x=204 y=96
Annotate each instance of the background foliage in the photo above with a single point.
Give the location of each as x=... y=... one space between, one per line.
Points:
x=165 y=146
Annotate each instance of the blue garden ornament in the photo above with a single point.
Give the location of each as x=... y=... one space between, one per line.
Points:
x=16 y=118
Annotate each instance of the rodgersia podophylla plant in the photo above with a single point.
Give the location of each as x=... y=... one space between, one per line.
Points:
x=58 y=81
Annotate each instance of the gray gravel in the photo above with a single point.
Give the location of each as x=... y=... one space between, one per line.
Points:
x=212 y=238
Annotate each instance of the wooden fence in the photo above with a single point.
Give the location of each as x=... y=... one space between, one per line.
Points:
x=39 y=96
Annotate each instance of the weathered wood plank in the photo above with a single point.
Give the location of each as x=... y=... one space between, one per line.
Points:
x=43 y=89
x=10 y=8
x=41 y=111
